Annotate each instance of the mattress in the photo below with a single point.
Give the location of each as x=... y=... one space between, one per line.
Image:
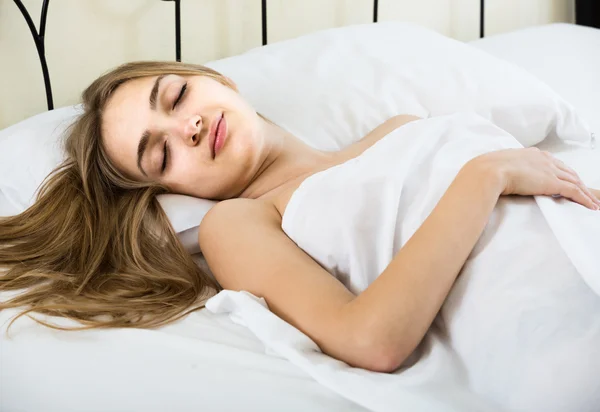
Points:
x=205 y=361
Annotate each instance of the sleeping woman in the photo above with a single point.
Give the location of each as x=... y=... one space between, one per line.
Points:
x=96 y=246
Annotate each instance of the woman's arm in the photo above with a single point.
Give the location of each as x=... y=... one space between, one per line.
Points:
x=246 y=249
x=411 y=290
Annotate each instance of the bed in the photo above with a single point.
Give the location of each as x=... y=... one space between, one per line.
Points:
x=206 y=361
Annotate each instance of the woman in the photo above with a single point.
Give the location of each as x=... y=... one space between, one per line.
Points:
x=96 y=246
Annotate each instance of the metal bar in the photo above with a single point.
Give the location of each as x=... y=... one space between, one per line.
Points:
x=38 y=39
x=264 y=22
x=482 y=19
x=178 y=30
x=43 y=18
x=375 y=13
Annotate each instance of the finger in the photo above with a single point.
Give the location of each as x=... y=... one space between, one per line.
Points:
x=573 y=178
x=567 y=177
x=591 y=195
x=574 y=192
x=562 y=166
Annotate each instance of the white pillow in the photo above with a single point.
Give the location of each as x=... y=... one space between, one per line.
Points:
x=330 y=88
x=6 y=207
x=566 y=58
x=334 y=86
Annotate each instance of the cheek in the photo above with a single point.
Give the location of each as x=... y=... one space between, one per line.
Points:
x=241 y=151
x=192 y=176
x=185 y=169
x=247 y=136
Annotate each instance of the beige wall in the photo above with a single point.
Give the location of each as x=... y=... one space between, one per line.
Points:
x=86 y=37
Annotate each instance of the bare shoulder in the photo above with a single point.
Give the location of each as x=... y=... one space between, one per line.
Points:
x=246 y=249
x=400 y=119
x=380 y=131
x=391 y=124
x=232 y=232
x=233 y=218
x=228 y=213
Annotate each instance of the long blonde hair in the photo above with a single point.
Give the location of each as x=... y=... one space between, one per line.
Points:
x=96 y=247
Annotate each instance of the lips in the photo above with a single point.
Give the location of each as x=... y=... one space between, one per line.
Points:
x=220 y=135
x=212 y=136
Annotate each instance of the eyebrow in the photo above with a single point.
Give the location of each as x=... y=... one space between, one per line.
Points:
x=143 y=144
x=154 y=92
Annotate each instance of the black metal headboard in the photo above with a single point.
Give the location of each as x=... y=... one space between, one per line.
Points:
x=39 y=36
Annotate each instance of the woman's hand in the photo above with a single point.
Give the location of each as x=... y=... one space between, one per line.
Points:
x=530 y=172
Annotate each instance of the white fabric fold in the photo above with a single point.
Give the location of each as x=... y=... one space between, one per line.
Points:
x=523 y=296
x=415 y=389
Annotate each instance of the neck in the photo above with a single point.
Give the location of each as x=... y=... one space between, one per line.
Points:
x=288 y=159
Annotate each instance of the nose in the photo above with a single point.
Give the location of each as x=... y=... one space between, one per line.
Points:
x=189 y=129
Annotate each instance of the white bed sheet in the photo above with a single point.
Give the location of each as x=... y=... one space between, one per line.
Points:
x=201 y=363
x=205 y=362
x=573 y=72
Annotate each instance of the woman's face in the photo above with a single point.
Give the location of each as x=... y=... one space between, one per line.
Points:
x=165 y=129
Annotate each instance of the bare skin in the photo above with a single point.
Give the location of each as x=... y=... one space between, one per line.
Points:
x=258 y=170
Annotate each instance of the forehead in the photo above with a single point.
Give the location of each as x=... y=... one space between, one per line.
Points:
x=128 y=103
x=125 y=117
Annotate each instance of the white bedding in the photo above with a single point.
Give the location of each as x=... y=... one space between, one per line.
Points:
x=564 y=56
x=202 y=363
x=206 y=362
x=522 y=316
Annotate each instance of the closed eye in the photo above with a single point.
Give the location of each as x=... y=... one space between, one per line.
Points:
x=181 y=93
x=165 y=154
